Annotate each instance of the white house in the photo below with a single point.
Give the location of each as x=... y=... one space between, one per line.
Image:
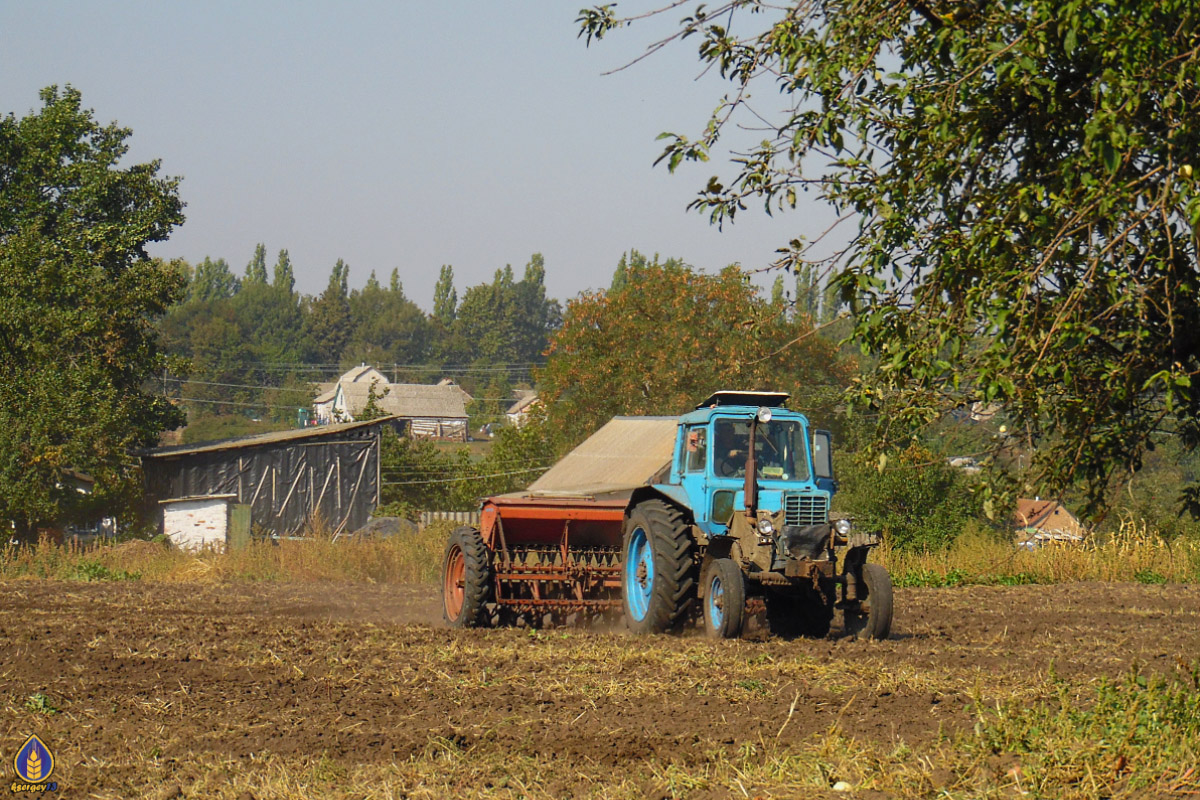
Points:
x=429 y=412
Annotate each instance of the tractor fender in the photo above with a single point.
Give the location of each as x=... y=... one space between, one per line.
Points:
x=673 y=495
x=718 y=547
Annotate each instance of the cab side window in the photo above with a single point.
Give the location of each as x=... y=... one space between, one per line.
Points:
x=697 y=449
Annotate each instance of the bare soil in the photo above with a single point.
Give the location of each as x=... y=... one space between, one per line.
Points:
x=199 y=690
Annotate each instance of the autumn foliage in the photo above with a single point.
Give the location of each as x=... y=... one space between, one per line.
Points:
x=666 y=336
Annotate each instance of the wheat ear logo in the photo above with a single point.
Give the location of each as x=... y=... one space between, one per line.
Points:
x=34 y=762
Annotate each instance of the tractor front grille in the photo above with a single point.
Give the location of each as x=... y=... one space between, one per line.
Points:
x=805 y=509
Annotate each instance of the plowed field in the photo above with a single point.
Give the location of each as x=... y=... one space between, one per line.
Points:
x=168 y=690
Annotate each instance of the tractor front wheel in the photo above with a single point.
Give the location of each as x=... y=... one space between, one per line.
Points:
x=724 y=599
x=873 y=618
x=657 y=581
x=466 y=579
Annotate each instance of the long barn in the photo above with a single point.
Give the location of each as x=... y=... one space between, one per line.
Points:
x=287 y=478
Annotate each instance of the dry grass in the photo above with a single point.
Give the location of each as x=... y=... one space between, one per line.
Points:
x=413 y=558
x=1133 y=553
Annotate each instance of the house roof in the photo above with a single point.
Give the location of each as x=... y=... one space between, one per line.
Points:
x=362 y=374
x=526 y=398
x=256 y=440
x=1047 y=515
x=409 y=400
x=325 y=392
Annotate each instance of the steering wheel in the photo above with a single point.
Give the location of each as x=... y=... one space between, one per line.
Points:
x=727 y=467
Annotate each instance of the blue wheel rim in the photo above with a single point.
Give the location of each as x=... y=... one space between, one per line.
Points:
x=716 y=602
x=639 y=574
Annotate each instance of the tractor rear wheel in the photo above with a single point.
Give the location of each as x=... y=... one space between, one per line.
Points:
x=873 y=618
x=724 y=599
x=658 y=582
x=466 y=579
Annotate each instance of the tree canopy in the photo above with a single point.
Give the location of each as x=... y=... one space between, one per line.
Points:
x=1020 y=179
x=77 y=308
x=667 y=337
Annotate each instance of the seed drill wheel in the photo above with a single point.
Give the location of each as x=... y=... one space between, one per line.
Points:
x=466 y=579
x=724 y=599
x=873 y=619
x=657 y=580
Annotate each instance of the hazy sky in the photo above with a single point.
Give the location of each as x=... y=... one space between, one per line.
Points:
x=396 y=134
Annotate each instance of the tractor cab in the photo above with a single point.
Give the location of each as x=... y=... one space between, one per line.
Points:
x=745 y=453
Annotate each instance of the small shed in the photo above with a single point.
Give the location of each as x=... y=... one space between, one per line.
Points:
x=200 y=523
x=288 y=478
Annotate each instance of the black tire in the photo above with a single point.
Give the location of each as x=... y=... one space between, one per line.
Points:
x=873 y=619
x=724 y=606
x=809 y=613
x=466 y=580
x=658 y=582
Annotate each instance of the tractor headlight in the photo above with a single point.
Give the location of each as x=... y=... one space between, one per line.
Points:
x=842 y=526
x=765 y=527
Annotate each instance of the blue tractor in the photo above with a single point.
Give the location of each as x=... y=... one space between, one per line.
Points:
x=741 y=516
x=721 y=512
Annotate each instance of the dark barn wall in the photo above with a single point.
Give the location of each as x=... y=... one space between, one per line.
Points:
x=285 y=483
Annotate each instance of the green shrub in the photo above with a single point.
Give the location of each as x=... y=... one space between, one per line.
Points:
x=917 y=501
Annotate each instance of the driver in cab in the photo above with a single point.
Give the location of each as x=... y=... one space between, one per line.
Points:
x=732 y=447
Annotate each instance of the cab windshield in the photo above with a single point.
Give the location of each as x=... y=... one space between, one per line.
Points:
x=780 y=448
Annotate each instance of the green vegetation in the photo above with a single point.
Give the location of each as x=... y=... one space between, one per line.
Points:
x=254 y=347
x=1127 y=737
x=39 y=703
x=78 y=301
x=1023 y=179
x=666 y=336
x=917 y=501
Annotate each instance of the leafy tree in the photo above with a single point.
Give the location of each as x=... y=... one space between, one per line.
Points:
x=329 y=319
x=1023 y=177
x=536 y=315
x=272 y=324
x=445 y=299
x=671 y=336
x=388 y=327
x=372 y=410
x=283 y=278
x=779 y=294
x=256 y=270
x=486 y=321
x=212 y=280
x=506 y=321
x=77 y=304
x=808 y=294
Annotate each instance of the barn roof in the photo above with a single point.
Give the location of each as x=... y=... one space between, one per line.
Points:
x=409 y=400
x=259 y=439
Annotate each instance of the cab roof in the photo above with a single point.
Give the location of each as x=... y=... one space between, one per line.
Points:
x=756 y=399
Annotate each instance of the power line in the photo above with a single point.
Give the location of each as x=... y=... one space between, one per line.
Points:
x=184 y=381
x=471 y=478
x=232 y=403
